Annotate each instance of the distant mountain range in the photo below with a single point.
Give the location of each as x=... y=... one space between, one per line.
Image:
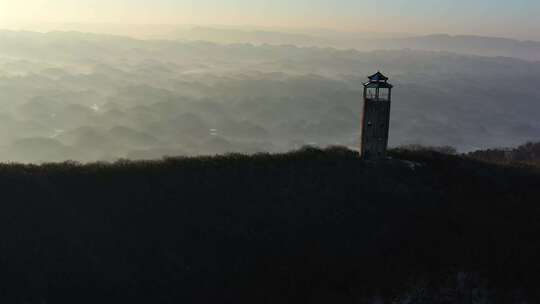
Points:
x=478 y=45
x=465 y=44
x=485 y=46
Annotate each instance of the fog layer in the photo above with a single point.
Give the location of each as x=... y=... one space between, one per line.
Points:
x=67 y=95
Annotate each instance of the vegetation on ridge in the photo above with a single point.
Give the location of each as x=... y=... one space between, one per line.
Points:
x=302 y=227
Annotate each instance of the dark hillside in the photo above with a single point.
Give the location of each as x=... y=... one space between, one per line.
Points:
x=313 y=226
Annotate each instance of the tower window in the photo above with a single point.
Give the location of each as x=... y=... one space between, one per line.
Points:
x=371 y=93
x=384 y=94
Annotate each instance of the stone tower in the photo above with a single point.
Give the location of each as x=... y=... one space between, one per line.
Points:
x=376 y=117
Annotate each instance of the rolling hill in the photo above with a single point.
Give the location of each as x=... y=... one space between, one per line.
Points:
x=312 y=226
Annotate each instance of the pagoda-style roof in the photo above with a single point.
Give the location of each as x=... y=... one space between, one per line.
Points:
x=378 y=77
x=378 y=80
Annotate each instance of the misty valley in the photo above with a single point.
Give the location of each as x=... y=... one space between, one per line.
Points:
x=92 y=97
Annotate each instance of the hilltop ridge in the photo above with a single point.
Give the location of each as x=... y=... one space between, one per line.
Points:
x=307 y=226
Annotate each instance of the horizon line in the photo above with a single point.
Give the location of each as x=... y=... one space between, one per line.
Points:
x=247 y=28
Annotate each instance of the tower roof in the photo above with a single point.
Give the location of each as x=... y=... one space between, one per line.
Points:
x=378 y=80
x=378 y=77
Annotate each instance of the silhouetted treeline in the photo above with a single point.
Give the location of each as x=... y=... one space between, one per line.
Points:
x=313 y=226
x=422 y=148
x=528 y=153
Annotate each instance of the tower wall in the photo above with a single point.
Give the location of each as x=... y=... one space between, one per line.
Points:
x=375 y=128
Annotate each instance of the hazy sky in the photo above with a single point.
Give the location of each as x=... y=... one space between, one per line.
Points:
x=515 y=18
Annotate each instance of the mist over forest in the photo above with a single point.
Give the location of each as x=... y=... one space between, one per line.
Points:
x=89 y=97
